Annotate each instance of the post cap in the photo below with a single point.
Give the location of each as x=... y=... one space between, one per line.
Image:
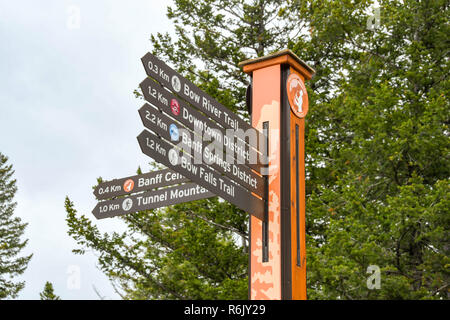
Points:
x=281 y=57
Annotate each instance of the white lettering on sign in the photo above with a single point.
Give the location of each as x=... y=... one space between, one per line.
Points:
x=153 y=67
x=212 y=157
x=175 y=194
x=244 y=176
x=239 y=149
x=171 y=176
x=209 y=106
x=163 y=75
x=145 y=182
x=193 y=120
x=163 y=99
x=185 y=164
x=208 y=177
x=202 y=126
x=151 y=199
x=152 y=91
x=114 y=188
x=191 y=94
x=156 y=146
x=232 y=123
x=229 y=189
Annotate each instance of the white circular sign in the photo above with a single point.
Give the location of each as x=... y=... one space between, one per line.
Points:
x=127 y=204
x=176 y=84
x=173 y=157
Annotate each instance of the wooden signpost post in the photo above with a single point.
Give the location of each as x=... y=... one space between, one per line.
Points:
x=260 y=168
x=277 y=243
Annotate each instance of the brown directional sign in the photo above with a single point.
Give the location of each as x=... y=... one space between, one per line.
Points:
x=172 y=80
x=150 y=200
x=138 y=183
x=172 y=131
x=176 y=108
x=165 y=153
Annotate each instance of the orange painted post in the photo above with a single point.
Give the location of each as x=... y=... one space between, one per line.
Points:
x=277 y=245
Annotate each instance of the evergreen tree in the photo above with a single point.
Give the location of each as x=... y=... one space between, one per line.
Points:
x=48 y=293
x=377 y=152
x=11 y=230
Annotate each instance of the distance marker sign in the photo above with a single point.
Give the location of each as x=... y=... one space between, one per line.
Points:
x=138 y=183
x=167 y=154
x=150 y=200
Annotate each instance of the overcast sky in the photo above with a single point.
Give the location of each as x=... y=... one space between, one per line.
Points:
x=67 y=116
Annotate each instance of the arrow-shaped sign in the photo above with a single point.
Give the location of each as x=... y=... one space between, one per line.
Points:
x=163 y=152
x=175 y=82
x=138 y=183
x=208 y=129
x=172 y=131
x=150 y=200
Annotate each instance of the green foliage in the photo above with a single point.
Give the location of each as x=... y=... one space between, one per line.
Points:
x=378 y=151
x=377 y=147
x=48 y=293
x=11 y=230
x=182 y=252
